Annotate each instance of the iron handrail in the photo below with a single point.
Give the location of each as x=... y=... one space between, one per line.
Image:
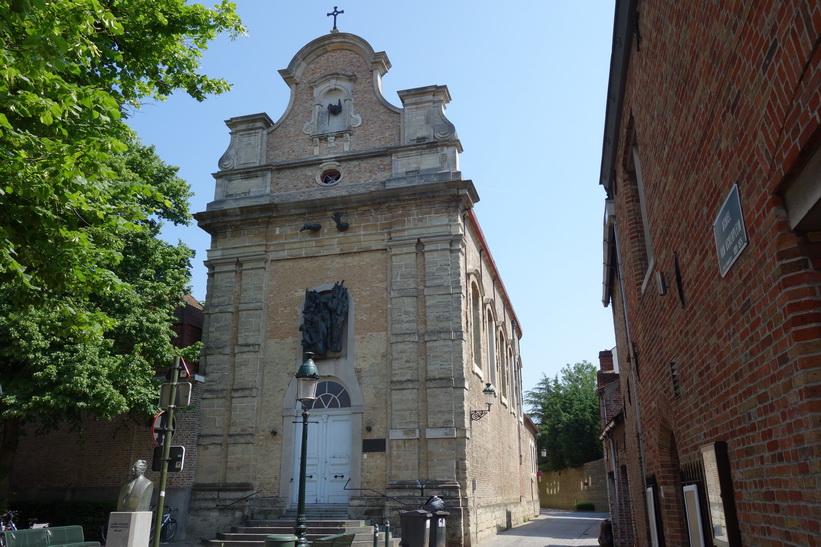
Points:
x=239 y=500
x=377 y=493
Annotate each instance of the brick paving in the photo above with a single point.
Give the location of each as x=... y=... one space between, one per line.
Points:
x=552 y=527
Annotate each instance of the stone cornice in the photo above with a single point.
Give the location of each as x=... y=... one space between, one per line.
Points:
x=345 y=156
x=366 y=193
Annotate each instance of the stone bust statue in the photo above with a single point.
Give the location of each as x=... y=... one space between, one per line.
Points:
x=135 y=495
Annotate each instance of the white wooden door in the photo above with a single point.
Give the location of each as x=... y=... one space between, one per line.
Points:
x=328 y=457
x=337 y=468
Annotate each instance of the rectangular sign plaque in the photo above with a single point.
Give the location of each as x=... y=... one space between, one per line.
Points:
x=730 y=234
x=183 y=395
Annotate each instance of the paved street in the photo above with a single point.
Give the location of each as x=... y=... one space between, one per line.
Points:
x=552 y=528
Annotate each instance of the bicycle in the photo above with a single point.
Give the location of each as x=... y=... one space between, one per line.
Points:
x=7 y=525
x=168 y=528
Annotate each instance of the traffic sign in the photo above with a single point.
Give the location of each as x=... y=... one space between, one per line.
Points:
x=176 y=459
x=160 y=425
x=182 y=399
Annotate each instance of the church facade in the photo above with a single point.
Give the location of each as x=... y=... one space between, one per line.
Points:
x=346 y=228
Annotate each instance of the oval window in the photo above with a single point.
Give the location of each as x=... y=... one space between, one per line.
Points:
x=330 y=177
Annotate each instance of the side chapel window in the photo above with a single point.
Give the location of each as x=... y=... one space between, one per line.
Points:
x=476 y=330
x=491 y=349
x=503 y=364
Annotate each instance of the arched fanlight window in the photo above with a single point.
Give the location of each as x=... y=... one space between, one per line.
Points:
x=330 y=394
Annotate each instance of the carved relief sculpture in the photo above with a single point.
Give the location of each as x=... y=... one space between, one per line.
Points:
x=324 y=320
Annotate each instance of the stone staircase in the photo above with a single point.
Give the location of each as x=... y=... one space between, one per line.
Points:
x=322 y=521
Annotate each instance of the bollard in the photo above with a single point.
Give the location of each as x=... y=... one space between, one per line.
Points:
x=387 y=533
x=375 y=535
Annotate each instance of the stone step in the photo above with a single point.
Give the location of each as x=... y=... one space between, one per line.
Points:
x=331 y=514
x=319 y=523
x=361 y=540
x=288 y=528
x=254 y=532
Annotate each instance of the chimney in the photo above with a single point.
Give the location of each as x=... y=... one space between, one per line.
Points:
x=606 y=361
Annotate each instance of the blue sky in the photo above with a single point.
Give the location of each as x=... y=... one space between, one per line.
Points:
x=528 y=82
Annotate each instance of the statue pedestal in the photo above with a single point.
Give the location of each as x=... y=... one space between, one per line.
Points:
x=129 y=529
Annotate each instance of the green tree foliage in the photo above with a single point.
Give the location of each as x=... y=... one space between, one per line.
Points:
x=52 y=372
x=70 y=73
x=567 y=410
x=86 y=287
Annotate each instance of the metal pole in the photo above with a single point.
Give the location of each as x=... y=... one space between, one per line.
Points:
x=166 y=451
x=301 y=526
x=387 y=533
x=375 y=535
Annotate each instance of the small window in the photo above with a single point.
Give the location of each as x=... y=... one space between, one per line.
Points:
x=330 y=177
x=329 y=173
x=330 y=394
x=674 y=377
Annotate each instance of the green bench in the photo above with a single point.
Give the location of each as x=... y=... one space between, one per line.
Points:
x=63 y=536
x=338 y=540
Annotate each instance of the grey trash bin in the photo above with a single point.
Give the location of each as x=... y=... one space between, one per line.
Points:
x=438 y=536
x=414 y=526
x=280 y=541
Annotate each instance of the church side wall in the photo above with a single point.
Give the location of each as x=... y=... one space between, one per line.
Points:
x=499 y=464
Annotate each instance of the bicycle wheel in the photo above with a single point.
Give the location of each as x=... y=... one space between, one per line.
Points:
x=168 y=530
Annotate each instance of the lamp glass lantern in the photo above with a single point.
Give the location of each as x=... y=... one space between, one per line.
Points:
x=307 y=379
x=490 y=395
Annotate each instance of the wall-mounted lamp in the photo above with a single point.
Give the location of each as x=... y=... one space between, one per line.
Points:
x=273 y=432
x=490 y=394
x=368 y=428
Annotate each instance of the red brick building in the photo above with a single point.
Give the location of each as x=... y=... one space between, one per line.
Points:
x=93 y=462
x=712 y=171
x=616 y=448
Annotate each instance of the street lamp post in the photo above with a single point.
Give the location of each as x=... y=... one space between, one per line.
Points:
x=307 y=378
